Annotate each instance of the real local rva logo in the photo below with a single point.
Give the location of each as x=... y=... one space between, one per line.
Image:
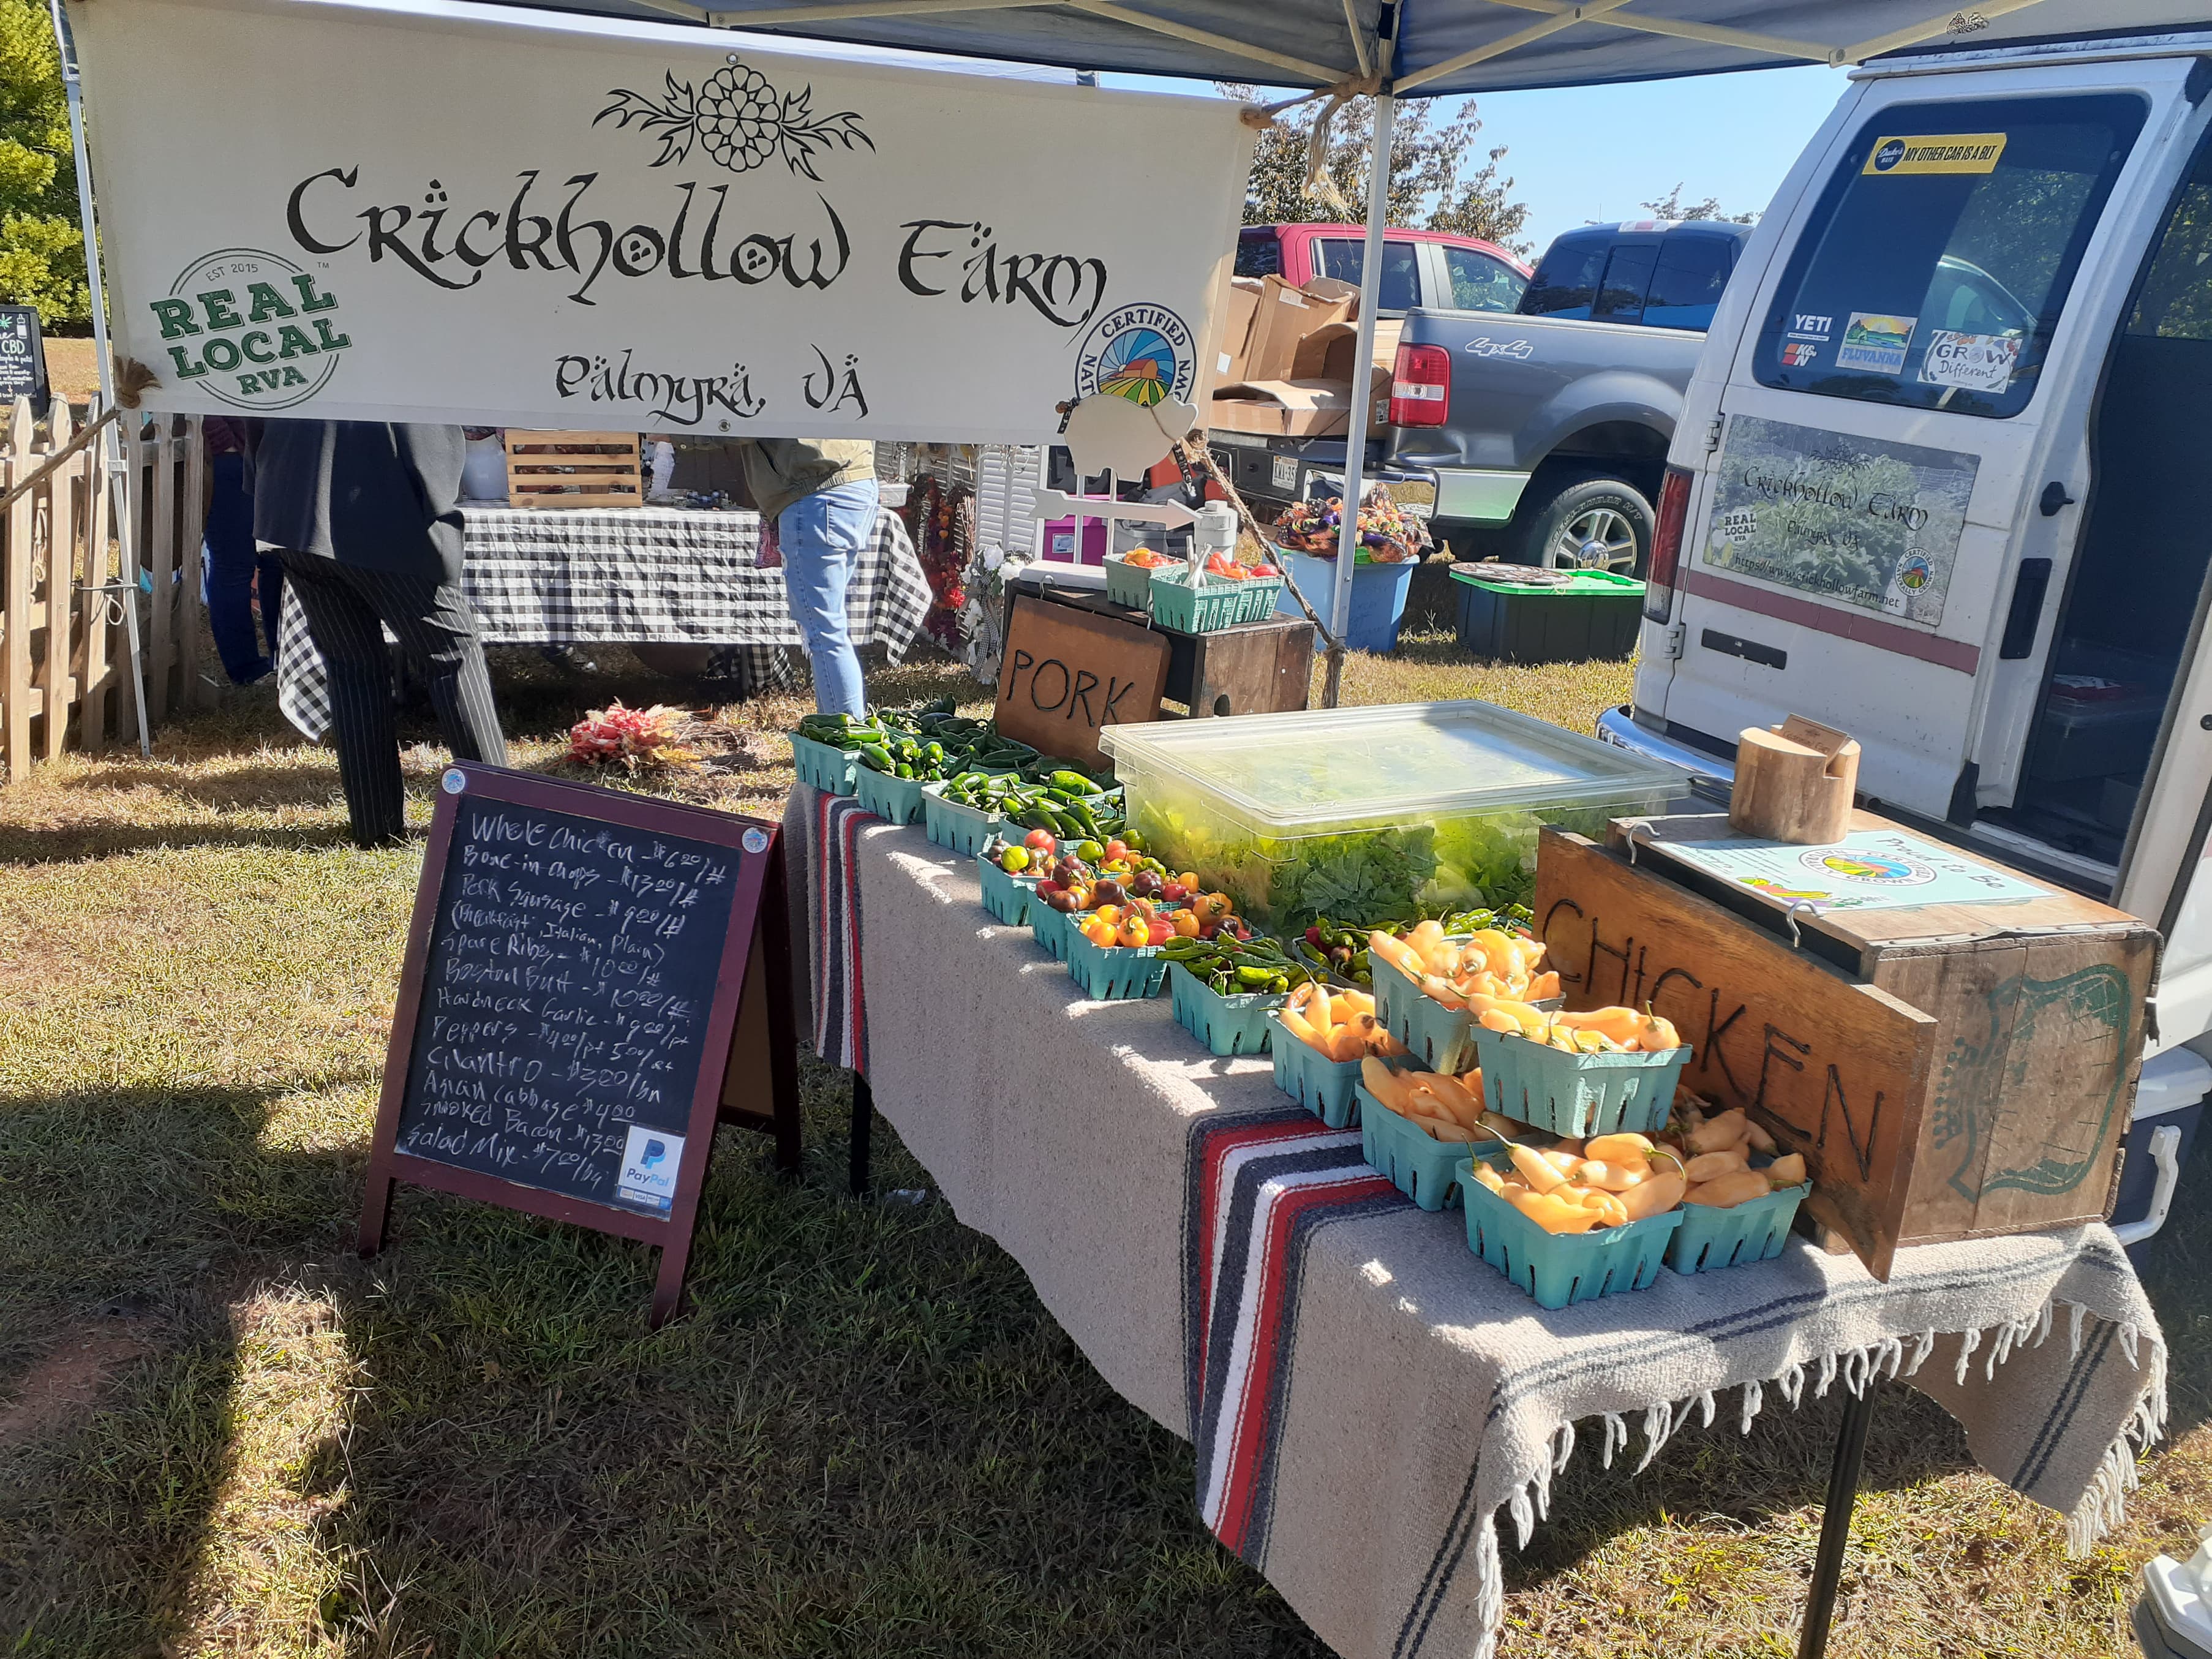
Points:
x=255 y=328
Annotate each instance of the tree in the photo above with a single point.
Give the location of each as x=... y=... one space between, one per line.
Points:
x=1429 y=185
x=1672 y=206
x=41 y=247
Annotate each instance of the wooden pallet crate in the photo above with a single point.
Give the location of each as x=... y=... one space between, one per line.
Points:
x=574 y=470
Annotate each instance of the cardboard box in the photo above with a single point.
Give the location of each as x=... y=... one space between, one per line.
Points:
x=1285 y=316
x=1330 y=351
x=1295 y=408
x=1236 y=339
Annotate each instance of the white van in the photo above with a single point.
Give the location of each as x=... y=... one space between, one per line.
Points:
x=1943 y=478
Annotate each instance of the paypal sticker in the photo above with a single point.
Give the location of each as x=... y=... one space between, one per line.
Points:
x=650 y=1160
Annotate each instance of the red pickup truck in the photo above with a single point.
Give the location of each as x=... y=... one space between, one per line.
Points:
x=1428 y=268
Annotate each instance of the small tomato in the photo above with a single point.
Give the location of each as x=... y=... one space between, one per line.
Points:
x=1039 y=840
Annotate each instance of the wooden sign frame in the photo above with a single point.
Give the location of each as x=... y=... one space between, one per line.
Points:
x=1052 y=727
x=755 y=958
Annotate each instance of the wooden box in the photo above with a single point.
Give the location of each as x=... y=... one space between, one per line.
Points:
x=1949 y=1072
x=574 y=469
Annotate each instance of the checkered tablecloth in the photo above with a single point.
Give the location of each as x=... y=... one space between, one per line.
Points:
x=655 y=575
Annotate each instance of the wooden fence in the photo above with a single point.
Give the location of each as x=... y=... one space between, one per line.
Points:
x=64 y=661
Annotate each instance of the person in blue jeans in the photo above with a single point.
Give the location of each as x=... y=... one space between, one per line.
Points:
x=230 y=563
x=822 y=495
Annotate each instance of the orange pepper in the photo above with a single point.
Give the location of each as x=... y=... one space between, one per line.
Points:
x=1133 y=929
x=1186 y=923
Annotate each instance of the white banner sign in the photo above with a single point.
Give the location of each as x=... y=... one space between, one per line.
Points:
x=444 y=214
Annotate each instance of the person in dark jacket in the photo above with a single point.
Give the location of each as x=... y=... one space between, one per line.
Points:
x=231 y=563
x=364 y=517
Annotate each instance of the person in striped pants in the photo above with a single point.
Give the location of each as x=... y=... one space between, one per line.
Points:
x=365 y=516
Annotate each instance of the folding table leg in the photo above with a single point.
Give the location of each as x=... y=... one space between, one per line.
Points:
x=863 y=1118
x=1836 y=1522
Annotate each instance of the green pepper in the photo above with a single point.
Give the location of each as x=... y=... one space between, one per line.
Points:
x=877 y=758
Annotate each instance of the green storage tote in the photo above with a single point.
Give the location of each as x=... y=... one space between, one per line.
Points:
x=1584 y=1095
x=1111 y=972
x=1008 y=898
x=956 y=827
x=898 y=800
x=823 y=766
x=1593 y=614
x=1226 y=1024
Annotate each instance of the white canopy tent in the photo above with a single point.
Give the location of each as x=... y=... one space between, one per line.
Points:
x=1428 y=48
x=1391 y=49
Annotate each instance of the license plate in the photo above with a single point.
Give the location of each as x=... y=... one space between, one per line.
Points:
x=1286 y=472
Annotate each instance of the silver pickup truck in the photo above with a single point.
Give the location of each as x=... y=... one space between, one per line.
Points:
x=1545 y=429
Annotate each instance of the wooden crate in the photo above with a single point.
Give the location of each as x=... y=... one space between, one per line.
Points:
x=1949 y=1072
x=574 y=469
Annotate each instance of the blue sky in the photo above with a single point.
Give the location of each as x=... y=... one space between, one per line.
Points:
x=1598 y=153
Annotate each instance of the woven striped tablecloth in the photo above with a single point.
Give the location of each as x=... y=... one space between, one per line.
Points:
x=648 y=576
x=1368 y=1399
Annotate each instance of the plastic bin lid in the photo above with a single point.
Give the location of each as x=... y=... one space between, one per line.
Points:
x=1546 y=584
x=1315 y=769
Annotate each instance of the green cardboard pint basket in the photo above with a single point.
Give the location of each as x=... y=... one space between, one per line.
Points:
x=1227 y=1024
x=1710 y=1239
x=1575 y=1094
x=957 y=829
x=897 y=800
x=1427 y=1169
x=1132 y=583
x=1260 y=595
x=1558 y=1269
x=1327 y=1088
x=1193 y=603
x=1051 y=928
x=1441 y=1038
x=823 y=766
x=1113 y=973
x=1008 y=898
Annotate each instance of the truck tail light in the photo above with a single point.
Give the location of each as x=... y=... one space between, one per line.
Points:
x=1420 y=386
x=1666 y=544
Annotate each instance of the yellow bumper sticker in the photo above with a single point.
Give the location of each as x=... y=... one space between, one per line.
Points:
x=1943 y=152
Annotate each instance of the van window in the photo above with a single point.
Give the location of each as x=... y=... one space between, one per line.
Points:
x=1565 y=282
x=1259 y=254
x=1344 y=258
x=1480 y=282
x=1935 y=265
x=1692 y=273
x=1627 y=279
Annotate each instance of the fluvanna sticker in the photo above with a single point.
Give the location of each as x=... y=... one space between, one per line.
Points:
x=1875 y=342
x=1979 y=363
x=1942 y=152
x=1141 y=352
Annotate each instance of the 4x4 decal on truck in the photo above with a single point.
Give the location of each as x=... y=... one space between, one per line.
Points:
x=1483 y=346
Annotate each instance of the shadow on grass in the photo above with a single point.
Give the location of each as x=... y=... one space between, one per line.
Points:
x=864 y=1437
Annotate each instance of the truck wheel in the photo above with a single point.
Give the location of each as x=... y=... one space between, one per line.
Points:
x=1589 y=524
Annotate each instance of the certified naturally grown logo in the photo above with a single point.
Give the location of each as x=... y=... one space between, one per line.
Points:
x=251 y=329
x=1141 y=352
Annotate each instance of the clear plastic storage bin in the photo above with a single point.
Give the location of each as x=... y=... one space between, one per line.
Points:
x=1362 y=813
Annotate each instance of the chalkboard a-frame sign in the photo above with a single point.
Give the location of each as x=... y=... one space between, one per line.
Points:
x=570 y=1003
x=22 y=358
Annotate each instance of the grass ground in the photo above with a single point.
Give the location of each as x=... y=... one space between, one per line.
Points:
x=221 y=1433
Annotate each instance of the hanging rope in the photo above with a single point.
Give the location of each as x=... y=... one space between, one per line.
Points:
x=1319 y=185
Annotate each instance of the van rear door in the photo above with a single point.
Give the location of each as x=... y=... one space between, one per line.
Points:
x=1920 y=357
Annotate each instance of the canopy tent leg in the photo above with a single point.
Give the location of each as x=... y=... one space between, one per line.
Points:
x=1363 y=382
x=124 y=516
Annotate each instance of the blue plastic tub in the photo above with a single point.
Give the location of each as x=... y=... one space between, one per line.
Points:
x=1378 y=598
x=1560 y=1269
x=1568 y=1094
x=1237 y=1024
